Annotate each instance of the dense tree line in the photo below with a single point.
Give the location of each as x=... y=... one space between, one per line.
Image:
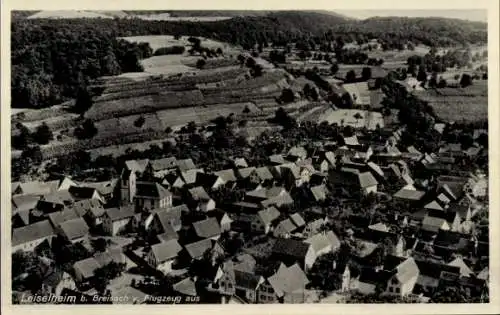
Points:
x=53 y=60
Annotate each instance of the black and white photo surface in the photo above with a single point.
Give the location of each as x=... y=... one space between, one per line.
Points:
x=249 y=157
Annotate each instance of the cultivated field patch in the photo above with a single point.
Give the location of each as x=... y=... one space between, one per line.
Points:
x=459 y=104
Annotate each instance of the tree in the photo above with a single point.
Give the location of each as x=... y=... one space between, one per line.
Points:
x=281 y=117
x=334 y=69
x=422 y=75
x=23 y=138
x=433 y=81
x=287 y=95
x=83 y=100
x=366 y=73
x=246 y=110
x=86 y=131
x=350 y=76
x=139 y=122
x=466 y=80
x=200 y=63
x=104 y=274
x=442 y=83
x=43 y=134
x=357 y=116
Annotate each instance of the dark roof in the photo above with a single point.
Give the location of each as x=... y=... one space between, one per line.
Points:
x=247 y=280
x=291 y=247
x=116 y=214
x=207 y=180
x=434 y=269
x=82 y=207
x=81 y=192
x=371 y=276
x=207 y=228
x=75 y=228
x=197 y=249
x=151 y=190
x=32 y=232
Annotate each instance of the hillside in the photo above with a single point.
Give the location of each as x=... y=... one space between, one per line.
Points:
x=429 y=31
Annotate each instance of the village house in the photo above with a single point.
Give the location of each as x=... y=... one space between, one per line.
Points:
x=296 y=154
x=197 y=250
x=354 y=181
x=223 y=218
x=284 y=228
x=200 y=200
x=263 y=221
x=404 y=275
x=161 y=221
x=161 y=167
x=185 y=165
x=227 y=176
x=163 y=255
x=431 y=275
x=246 y=284
x=84 y=270
x=151 y=196
x=56 y=280
x=209 y=181
x=91 y=210
x=59 y=217
x=27 y=238
x=288 y=286
x=290 y=251
x=240 y=163
x=207 y=229
x=73 y=231
x=323 y=243
x=107 y=191
x=117 y=220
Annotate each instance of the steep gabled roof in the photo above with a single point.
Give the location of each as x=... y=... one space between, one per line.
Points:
x=151 y=190
x=59 y=217
x=116 y=214
x=291 y=247
x=264 y=173
x=32 y=232
x=319 y=192
x=245 y=172
x=321 y=241
x=465 y=271
x=186 y=164
x=268 y=215
x=199 y=193
x=74 y=229
x=240 y=163
x=207 y=228
x=197 y=249
x=186 y=287
x=166 y=250
x=409 y=194
x=163 y=164
x=288 y=280
x=227 y=175
x=297 y=220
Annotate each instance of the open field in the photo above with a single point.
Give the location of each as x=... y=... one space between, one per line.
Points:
x=175 y=118
x=169 y=64
x=160 y=41
x=457 y=104
x=345 y=117
x=117 y=150
x=167 y=17
x=396 y=55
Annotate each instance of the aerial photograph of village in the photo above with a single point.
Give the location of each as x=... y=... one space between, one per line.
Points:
x=248 y=157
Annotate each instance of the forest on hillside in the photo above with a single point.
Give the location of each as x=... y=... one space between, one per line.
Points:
x=52 y=60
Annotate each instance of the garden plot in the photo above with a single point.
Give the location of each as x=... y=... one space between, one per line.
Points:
x=176 y=118
x=169 y=64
